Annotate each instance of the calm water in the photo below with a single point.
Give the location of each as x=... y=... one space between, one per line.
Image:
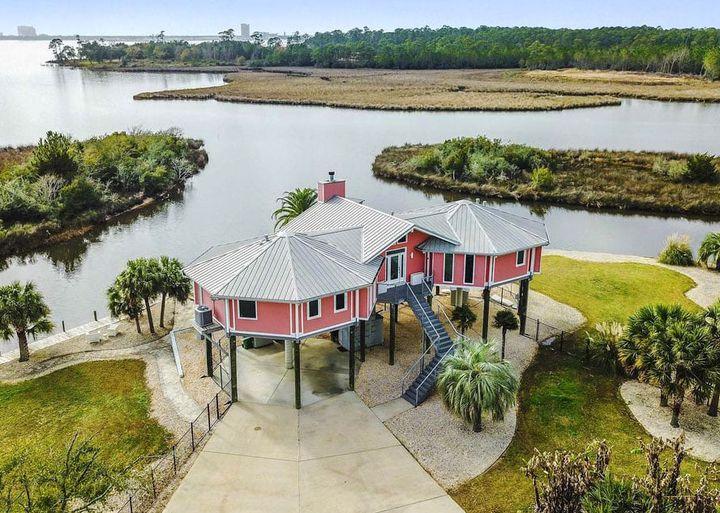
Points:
x=259 y=151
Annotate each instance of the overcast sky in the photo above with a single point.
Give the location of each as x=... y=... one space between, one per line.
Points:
x=198 y=17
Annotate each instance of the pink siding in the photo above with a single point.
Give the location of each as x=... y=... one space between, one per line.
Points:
x=414 y=258
x=217 y=307
x=328 y=190
x=506 y=268
x=272 y=319
x=538 y=259
x=196 y=293
x=328 y=316
x=438 y=262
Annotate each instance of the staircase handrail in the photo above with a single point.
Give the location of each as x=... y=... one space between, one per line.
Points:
x=421 y=358
x=440 y=361
x=441 y=308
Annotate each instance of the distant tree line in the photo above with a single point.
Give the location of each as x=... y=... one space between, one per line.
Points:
x=616 y=48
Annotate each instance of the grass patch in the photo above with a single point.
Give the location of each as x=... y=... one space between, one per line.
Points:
x=610 y=291
x=622 y=180
x=455 y=89
x=563 y=402
x=107 y=400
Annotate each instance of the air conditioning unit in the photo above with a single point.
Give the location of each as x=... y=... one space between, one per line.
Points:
x=203 y=316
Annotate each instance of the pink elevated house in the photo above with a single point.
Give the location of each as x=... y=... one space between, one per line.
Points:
x=329 y=267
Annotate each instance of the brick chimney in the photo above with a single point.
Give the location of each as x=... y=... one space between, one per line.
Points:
x=331 y=188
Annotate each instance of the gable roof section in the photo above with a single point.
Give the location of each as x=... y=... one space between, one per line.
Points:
x=283 y=267
x=378 y=229
x=470 y=228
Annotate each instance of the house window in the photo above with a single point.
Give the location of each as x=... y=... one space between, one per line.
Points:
x=520 y=258
x=469 y=269
x=402 y=239
x=313 y=309
x=247 y=309
x=340 y=302
x=448 y=267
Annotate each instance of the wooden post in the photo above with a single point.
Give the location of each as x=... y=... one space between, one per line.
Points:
x=233 y=369
x=391 y=345
x=208 y=354
x=351 y=357
x=298 y=402
x=362 y=340
x=486 y=312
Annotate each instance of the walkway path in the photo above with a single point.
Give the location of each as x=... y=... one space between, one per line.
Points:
x=334 y=455
x=704 y=294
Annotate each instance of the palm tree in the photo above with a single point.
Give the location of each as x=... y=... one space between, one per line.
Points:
x=646 y=328
x=23 y=311
x=122 y=302
x=292 y=204
x=506 y=320
x=173 y=284
x=474 y=379
x=464 y=317
x=709 y=251
x=143 y=282
x=711 y=316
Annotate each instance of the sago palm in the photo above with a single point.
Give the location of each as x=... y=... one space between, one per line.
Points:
x=23 y=312
x=292 y=204
x=173 y=284
x=475 y=379
x=709 y=252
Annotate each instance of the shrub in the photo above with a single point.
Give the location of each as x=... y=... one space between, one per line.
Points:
x=701 y=168
x=156 y=180
x=78 y=196
x=675 y=170
x=711 y=63
x=484 y=168
x=603 y=345
x=56 y=154
x=677 y=251
x=427 y=161
x=542 y=179
x=614 y=496
x=524 y=157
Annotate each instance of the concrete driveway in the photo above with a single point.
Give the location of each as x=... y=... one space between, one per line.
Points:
x=331 y=456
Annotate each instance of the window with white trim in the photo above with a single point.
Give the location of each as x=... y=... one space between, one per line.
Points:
x=247 y=309
x=313 y=309
x=469 y=277
x=448 y=264
x=520 y=258
x=402 y=239
x=341 y=302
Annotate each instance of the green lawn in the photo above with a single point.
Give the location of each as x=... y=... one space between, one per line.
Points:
x=106 y=400
x=564 y=403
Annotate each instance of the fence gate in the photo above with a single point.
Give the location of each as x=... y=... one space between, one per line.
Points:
x=221 y=363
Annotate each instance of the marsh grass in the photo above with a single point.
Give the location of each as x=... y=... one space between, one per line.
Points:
x=493 y=90
x=590 y=178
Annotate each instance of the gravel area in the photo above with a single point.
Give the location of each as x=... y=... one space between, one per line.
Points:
x=702 y=432
x=446 y=447
x=705 y=293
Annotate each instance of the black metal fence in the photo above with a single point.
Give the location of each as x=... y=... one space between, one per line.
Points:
x=154 y=478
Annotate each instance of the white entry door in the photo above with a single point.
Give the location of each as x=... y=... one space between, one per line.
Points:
x=395 y=266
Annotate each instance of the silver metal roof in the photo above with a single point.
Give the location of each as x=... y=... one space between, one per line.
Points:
x=283 y=267
x=467 y=227
x=378 y=229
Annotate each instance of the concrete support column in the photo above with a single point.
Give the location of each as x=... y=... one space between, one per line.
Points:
x=351 y=360
x=233 y=369
x=298 y=401
x=523 y=303
x=486 y=312
x=208 y=354
x=289 y=354
x=391 y=345
x=362 y=340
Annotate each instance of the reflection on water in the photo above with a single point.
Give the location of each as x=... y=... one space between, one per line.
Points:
x=258 y=151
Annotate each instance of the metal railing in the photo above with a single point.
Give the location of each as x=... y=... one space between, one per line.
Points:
x=154 y=478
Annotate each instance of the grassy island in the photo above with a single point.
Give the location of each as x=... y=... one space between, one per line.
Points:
x=662 y=182
x=62 y=187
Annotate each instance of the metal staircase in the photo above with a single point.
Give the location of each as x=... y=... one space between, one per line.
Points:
x=440 y=344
